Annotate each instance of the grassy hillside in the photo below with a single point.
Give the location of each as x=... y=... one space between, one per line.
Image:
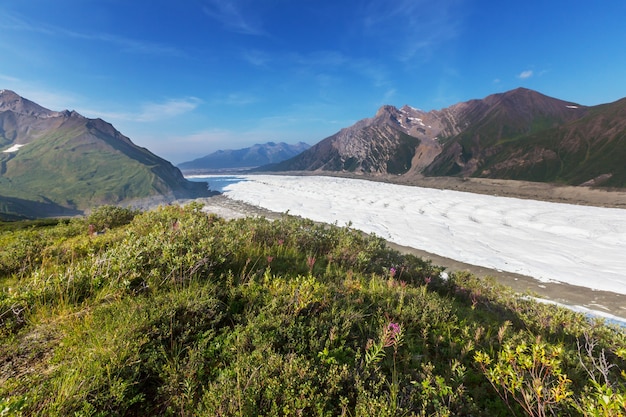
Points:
x=173 y=312
x=72 y=171
x=68 y=163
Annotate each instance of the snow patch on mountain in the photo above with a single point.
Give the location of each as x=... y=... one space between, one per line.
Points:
x=13 y=148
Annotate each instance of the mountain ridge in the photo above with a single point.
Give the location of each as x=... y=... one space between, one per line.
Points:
x=244 y=158
x=519 y=134
x=70 y=163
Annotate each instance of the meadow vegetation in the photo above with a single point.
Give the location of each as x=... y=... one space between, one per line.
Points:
x=176 y=312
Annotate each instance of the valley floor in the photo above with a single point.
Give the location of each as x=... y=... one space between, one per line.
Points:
x=602 y=302
x=598 y=197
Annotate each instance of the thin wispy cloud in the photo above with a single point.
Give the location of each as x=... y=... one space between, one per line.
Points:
x=412 y=28
x=525 y=74
x=149 y=112
x=191 y=146
x=234 y=99
x=329 y=61
x=389 y=94
x=16 y=23
x=322 y=59
x=171 y=108
x=231 y=14
x=257 y=58
x=136 y=46
x=55 y=100
x=11 y=21
x=376 y=72
x=9 y=78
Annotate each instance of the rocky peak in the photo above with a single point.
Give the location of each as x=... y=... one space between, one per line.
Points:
x=10 y=101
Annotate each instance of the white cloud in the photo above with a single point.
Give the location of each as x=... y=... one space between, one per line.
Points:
x=149 y=112
x=525 y=74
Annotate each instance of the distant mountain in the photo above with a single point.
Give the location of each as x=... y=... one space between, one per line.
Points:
x=254 y=156
x=393 y=141
x=60 y=163
x=520 y=134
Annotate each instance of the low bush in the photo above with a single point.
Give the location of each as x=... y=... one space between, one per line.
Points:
x=175 y=312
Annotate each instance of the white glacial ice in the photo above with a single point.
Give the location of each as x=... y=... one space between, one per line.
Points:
x=579 y=245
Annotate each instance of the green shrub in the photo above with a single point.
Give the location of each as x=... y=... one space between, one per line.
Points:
x=109 y=217
x=180 y=313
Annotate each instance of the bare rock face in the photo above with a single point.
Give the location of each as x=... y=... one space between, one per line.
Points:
x=394 y=141
x=520 y=134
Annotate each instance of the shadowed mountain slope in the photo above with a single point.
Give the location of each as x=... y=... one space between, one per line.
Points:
x=69 y=162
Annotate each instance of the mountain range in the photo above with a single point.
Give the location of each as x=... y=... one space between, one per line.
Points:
x=246 y=158
x=519 y=134
x=61 y=163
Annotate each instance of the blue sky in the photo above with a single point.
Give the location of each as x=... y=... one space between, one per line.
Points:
x=186 y=78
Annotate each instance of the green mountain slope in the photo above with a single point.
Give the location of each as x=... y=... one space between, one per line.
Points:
x=66 y=161
x=589 y=151
x=524 y=135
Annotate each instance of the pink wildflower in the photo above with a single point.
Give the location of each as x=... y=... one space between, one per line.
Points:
x=310 y=261
x=391 y=333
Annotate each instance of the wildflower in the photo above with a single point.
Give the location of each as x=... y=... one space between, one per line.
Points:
x=391 y=334
x=427 y=280
x=392 y=272
x=270 y=259
x=280 y=242
x=310 y=261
